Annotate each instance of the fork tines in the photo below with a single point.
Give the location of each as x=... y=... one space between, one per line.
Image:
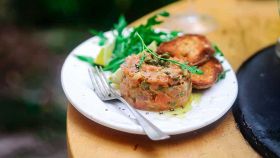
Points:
x=100 y=85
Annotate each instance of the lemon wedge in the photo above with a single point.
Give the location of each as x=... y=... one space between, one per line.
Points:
x=153 y=46
x=105 y=54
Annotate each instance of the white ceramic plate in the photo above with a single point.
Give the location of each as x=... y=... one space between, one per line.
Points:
x=212 y=105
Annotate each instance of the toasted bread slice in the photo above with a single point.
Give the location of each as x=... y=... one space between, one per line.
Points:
x=192 y=48
x=211 y=70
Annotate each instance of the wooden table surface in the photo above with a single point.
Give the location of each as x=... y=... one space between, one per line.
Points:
x=243 y=28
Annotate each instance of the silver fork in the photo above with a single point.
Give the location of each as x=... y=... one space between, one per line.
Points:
x=106 y=92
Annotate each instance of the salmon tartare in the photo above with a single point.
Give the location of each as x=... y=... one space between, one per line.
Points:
x=156 y=85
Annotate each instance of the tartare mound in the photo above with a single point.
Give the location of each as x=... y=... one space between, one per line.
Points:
x=155 y=85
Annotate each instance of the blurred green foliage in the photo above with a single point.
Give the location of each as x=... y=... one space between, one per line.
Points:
x=81 y=13
x=35 y=38
x=22 y=114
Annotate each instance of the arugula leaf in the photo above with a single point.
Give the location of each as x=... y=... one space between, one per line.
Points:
x=87 y=59
x=130 y=44
x=127 y=44
x=217 y=50
x=115 y=65
x=174 y=34
x=153 y=20
x=193 y=69
x=120 y=39
x=164 y=14
x=102 y=38
x=222 y=75
x=119 y=27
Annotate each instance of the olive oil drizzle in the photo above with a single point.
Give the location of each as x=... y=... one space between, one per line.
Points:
x=181 y=111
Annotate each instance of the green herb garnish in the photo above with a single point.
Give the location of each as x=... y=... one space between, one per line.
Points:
x=160 y=88
x=181 y=94
x=172 y=103
x=217 y=50
x=87 y=59
x=128 y=43
x=222 y=75
x=145 y=85
x=102 y=38
x=192 y=69
x=142 y=59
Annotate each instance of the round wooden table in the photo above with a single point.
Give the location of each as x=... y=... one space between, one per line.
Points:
x=243 y=28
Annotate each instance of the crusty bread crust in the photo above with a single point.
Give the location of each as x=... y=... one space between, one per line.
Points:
x=211 y=70
x=194 y=49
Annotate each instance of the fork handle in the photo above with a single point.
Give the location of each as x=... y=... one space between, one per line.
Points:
x=150 y=129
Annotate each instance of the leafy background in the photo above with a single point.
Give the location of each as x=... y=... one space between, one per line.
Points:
x=35 y=38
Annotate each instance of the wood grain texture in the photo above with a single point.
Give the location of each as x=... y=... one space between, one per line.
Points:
x=244 y=27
